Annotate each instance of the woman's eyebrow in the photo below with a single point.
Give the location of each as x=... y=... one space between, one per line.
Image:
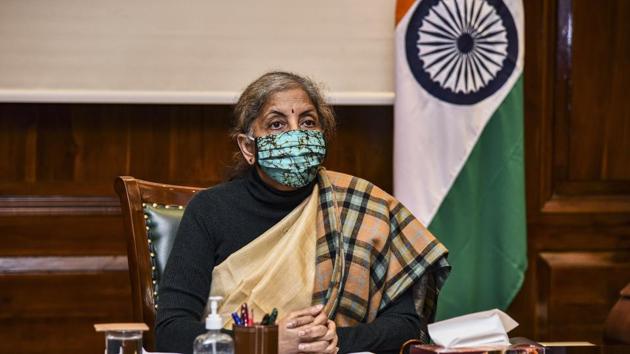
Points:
x=274 y=111
x=308 y=111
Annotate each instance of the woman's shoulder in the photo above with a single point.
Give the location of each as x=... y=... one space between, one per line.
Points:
x=216 y=194
x=344 y=181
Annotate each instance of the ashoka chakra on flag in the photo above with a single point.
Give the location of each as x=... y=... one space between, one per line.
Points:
x=461 y=51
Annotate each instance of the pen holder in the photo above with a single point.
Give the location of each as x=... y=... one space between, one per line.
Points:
x=258 y=339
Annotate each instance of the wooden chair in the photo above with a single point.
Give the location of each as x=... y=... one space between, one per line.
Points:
x=151 y=213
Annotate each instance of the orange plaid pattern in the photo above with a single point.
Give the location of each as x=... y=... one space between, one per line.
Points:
x=371 y=249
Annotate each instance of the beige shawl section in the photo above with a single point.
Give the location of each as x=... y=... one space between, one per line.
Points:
x=277 y=269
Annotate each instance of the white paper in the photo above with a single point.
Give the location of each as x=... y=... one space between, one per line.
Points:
x=475 y=329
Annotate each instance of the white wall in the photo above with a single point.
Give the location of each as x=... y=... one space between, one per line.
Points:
x=191 y=51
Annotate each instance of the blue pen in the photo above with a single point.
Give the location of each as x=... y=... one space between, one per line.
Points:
x=236 y=319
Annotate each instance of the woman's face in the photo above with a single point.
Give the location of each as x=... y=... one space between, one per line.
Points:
x=286 y=110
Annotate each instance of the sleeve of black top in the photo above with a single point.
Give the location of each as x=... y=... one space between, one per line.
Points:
x=184 y=287
x=393 y=326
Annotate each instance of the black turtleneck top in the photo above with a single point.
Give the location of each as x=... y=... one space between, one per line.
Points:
x=219 y=221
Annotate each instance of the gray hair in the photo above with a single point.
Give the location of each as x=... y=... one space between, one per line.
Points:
x=256 y=95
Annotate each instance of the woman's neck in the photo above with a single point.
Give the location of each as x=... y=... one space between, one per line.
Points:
x=273 y=197
x=271 y=182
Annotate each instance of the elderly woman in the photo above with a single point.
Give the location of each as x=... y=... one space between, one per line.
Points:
x=348 y=267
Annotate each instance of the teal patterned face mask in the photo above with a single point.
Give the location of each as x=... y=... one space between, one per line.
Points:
x=292 y=157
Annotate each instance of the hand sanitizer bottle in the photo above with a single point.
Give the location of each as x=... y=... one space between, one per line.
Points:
x=214 y=342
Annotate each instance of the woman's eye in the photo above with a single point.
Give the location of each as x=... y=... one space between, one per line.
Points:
x=276 y=125
x=309 y=123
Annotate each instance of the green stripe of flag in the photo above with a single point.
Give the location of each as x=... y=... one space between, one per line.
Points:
x=482 y=219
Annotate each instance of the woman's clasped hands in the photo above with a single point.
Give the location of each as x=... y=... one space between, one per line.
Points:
x=307 y=331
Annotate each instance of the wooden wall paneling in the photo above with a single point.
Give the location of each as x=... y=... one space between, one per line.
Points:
x=58 y=335
x=562 y=89
x=14 y=205
x=600 y=127
x=101 y=145
x=49 y=304
x=149 y=145
x=596 y=233
x=577 y=289
x=364 y=144
x=540 y=38
x=61 y=235
x=573 y=204
x=74 y=294
x=13 y=146
x=81 y=148
x=586 y=110
x=201 y=145
x=56 y=150
x=539 y=66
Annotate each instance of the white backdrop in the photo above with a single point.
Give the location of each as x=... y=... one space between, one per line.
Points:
x=192 y=51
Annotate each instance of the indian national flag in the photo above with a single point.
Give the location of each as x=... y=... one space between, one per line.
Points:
x=458 y=144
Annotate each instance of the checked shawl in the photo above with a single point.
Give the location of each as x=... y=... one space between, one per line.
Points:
x=370 y=250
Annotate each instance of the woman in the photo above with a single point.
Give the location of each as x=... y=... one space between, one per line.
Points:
x=347 y=265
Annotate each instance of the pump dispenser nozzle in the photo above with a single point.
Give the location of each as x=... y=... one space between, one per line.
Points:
x=214 y=341
x=214 y=321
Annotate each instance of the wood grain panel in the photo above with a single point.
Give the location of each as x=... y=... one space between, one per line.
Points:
x=364 y=144
x=573 y=202
x=539 y=73
x=81 y=148
x=538 y=101
x=13 y=143
x=59 y=335
x=149 y=142
x=599 y=146
x=100 y=295
x=103 y=138
x=576 y=291
x=56 y=150
x=201 y=145
x=54 y=313
x=57 y=205
x=46 y=265
x=592 y=120
x=58 y=235
x=588 y=204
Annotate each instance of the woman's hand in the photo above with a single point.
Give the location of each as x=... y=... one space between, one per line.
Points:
x=320 y=339
x=297 y=321
x=307 y=331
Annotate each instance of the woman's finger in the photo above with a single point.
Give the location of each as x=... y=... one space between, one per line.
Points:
x=321 y=319
x=312 y=332
x=314 y=347
x=312 y=311
x=306 y=321
x=332 y=346
x=302 y=317
x=331 y=331
x=300 y=321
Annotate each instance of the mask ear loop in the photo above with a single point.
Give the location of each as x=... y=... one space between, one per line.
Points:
x=250 y=136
